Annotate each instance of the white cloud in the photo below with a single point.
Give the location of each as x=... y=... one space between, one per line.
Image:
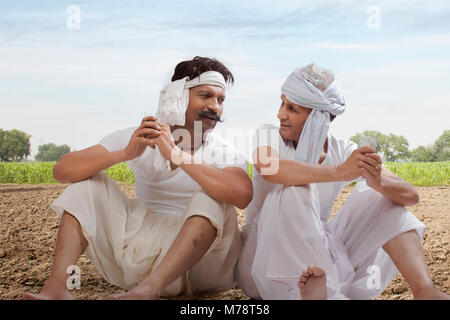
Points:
x=438 y=40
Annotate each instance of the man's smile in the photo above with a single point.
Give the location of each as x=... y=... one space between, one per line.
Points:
x=211 y=118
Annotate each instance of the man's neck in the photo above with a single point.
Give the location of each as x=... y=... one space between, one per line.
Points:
x=324 y=151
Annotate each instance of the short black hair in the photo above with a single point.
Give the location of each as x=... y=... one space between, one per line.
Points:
x=193 y=68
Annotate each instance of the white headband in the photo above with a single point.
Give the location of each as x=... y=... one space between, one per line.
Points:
x=174 y=97
x=173 y=103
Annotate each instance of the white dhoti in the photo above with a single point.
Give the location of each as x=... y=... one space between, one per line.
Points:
x=127 y=241
x=280 y=245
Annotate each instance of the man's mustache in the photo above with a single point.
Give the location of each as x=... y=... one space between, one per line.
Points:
x=209 y=114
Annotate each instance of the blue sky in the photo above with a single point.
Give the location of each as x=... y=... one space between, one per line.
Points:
x=74 y=86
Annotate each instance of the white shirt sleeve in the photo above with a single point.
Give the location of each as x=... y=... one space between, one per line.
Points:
x=117 y=140
x=222 y=154
x=233 y=158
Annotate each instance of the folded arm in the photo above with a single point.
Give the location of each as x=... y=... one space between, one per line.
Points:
x=80 y=165
x=293 y=173
x=230 y=184
x=387 y=183
x=362 y=162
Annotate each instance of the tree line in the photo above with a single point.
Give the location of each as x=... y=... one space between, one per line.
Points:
x=15 y=146
x=396 y=148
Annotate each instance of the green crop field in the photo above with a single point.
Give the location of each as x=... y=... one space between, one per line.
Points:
x=422 y=173
x=42 y=172
x=417 y=173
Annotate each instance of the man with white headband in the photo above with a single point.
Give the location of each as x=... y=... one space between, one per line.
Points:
x=291 y=250
x=180 y=234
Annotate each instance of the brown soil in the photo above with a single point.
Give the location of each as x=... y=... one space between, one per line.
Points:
x=28 y=231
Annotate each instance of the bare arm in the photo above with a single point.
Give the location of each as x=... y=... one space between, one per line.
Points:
x=80 y=165
x=289 y=172
x=294 y=173
x=230 y=185
x=388 y=184
x=362 y=162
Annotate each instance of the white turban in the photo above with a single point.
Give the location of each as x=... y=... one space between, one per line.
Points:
x=299 y=90
x=173 y=103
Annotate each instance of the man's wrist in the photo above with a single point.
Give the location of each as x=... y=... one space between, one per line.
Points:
x=337 y=173
x=180 y=158
x=121 y=156
x=379 y=186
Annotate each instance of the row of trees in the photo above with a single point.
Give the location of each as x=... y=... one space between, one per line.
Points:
x=15 y=146
x=51 y=152
x=396 y=148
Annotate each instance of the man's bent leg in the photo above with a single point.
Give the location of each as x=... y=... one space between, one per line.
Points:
x=192 y=242
x=215 y=272
x=407 y=253
x=245 y=262
x=70 y=244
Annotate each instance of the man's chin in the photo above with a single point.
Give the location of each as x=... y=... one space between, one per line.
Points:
x=286 y=135
x=208 y=128
x=283 y=133
x=208 y=124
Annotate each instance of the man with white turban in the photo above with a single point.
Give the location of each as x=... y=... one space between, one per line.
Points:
x=300 y=170
x=180 y=235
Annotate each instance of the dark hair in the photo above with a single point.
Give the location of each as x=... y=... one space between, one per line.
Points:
x=193 y=68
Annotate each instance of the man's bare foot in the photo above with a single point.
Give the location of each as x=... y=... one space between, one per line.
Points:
x=43 y=295
x=431 y=293
x=143 y=291
x=312 y=284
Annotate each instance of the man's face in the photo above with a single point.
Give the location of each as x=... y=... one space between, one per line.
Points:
x=292 y=119
x=205 y=105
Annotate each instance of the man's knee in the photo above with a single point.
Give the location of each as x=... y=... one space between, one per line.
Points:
x=96 y=184
x=100 y=178
x=201 y=201
x=210 y=209
x=69 y=218
x=203 y=225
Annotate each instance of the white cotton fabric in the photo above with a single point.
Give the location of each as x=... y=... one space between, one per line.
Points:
x=173 y=103
x=127 y=240
x=300 y=91
x=287 y=230
x=319 y=77
x=169 y=192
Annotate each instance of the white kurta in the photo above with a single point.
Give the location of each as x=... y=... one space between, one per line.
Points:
x=279 y=245
x=171 y=192
x=128 y=238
